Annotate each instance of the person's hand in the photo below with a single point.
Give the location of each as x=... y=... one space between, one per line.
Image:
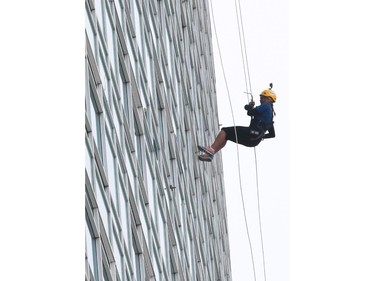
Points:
x=249 y=106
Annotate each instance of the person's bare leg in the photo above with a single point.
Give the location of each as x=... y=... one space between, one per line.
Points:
x=220 y=141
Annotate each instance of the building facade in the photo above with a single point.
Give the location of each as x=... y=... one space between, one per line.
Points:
x=153 y=211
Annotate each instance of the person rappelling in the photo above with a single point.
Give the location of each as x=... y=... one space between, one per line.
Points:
x=261 y=127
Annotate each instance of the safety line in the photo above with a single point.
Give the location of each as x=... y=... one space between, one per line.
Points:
x=248 y=84
x=243 y=49
x=243 y=39
x=237 y=146
x=259 y=217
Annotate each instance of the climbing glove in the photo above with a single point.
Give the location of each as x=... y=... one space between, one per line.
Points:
x=249 y=106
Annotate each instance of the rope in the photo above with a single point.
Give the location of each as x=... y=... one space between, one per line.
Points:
x=241 y=45
x=259 y=218
x=240 y=27
x=243 y=49
x=248 y=90
x=235 y=131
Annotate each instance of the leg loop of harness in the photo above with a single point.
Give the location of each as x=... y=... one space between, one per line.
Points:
x=255 y=135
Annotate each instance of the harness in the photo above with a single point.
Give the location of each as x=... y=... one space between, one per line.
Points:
x=261 y=128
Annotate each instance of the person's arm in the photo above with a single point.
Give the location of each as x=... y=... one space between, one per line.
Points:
x=251 y=110
x=271 y=133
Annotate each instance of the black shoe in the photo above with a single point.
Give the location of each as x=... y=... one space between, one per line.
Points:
x=205 y=157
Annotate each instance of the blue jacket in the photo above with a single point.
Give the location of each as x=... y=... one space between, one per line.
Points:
x=262 y=119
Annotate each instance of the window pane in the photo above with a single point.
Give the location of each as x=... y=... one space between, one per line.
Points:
x=129 y=168
x=125 y=94
x=99 y=11
x=91 y=250
x=117 y=122
x=110 y=39
x=123 y=209
x=89 y=28
x=103 y=210
x=103 y=73
x=111 y=171
x=118 y=255
x=95 y=123
x=88 y=160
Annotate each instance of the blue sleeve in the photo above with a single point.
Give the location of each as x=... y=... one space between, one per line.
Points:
x=261 y=108
x=257 y=110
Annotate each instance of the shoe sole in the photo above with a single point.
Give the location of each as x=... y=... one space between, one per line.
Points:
x=202 y=148
x=204 y=159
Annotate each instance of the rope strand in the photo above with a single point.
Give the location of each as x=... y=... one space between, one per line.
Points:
x=243 y=49
x=259 y=218
x=249 y=90
x=235 y=131
x=244 y=59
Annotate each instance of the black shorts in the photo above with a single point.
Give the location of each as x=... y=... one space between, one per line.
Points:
x=243 y=136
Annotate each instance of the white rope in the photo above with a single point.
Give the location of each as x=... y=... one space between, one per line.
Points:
x=259 y=217
x=243 y=49
x=244 y=59
x=248 y=90
x=235 y=131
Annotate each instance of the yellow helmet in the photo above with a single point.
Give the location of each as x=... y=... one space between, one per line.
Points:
x=269 y=93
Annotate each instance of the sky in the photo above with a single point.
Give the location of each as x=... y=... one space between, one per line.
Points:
x=266 y=32
x=316 y=177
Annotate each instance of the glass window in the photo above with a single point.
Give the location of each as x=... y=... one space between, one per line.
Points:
x=171 y=64
x=136 y=261
x=150 y=186
x=105 y=275
x=150 y=70
x=117 y=121
x=143 y=90
x=111 y=42
x=99 y=11
x=111 y=168
x=163 y=239
x=178 y=95
x=89 y=162
x=143 y=217
x=108 y=115
x=155 y=265
x=119 y=6
x=192 y=257
x=138 y=25
x=124 y=212
x=129 y=168
x=91 y=250
x=130 y=45
x=118 y=255
x=125 y=93
x=103 y=73
x=161 y=126
x=90 y=27
x=159 y=226
x=102 y=205
x=153 y=28
x=178 y=199
x=172 y=270
x=95 y=122
x=128 y=275
x=138 y=145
